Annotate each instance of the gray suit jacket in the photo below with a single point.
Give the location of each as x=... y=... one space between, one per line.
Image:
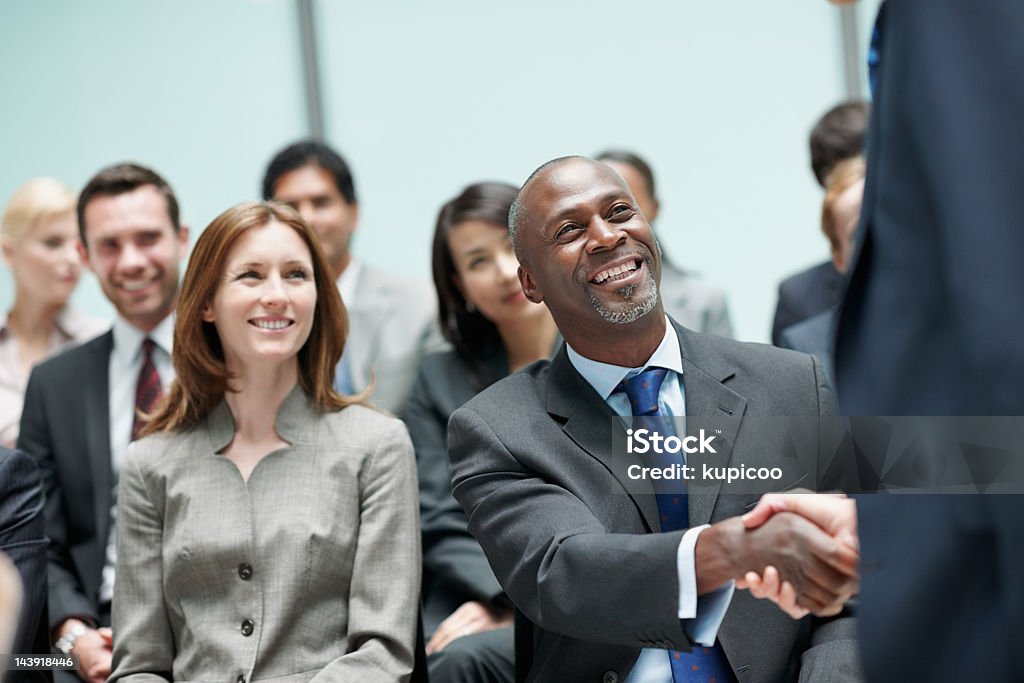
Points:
x=310 y=571
x=392 y=325
x=694 y=303
x=531 y=466
x=65 y=427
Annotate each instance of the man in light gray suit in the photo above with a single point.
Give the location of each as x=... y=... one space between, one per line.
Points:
x=688 y=299
x=619 y=579
x=392 y=321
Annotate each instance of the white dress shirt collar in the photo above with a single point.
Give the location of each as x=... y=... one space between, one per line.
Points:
x=604 y=377
x=128 y=338
x=347 y=282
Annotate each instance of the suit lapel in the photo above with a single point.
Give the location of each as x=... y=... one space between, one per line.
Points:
x=712 y=406
x=590 y=423
x=95 y=383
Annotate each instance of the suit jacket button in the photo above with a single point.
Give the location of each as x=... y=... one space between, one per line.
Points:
x=245 y=571
x=610 y=677
x=247 y=627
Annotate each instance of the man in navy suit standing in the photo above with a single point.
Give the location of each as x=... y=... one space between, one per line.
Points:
x=932 y=324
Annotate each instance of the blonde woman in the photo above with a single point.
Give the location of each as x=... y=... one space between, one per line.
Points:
x=39 y=238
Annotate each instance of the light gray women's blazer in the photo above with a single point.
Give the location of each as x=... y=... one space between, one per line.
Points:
x=310 y=571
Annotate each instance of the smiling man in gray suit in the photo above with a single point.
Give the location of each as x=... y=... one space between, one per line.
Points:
x=392 y=321
x=620 y=580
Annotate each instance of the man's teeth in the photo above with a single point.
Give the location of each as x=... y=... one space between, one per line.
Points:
x=272 y=324
x=627 y=267
x=134 y=286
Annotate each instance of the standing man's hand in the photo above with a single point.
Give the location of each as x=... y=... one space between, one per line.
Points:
x=834 y=513
x=821 y=570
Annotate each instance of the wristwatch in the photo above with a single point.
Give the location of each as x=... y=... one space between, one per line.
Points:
x=67 y=641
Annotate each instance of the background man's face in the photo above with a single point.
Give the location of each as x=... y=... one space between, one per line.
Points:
x=847 y=216
x=133 y=250
x=587 y=251
x=311 y=191
x=648 y=205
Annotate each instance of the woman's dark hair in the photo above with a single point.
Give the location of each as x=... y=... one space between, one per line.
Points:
x=469 y=332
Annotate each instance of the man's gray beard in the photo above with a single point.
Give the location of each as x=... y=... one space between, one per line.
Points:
x=639 y=308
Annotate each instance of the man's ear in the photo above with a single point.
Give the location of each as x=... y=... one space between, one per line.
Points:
x=182 y=241
x=355 y=216
x=838 y=261
x=655 y=210
x=530 y=287
x=8 y=250
x=83 y=255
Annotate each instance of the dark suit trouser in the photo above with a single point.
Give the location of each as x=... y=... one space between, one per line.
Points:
x=478 y=658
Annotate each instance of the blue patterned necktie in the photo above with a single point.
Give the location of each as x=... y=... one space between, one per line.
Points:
x=707 y=664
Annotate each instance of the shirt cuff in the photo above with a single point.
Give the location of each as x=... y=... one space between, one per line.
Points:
x=704 y=614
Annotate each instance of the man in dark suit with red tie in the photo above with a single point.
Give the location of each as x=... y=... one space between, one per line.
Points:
x=82 y=407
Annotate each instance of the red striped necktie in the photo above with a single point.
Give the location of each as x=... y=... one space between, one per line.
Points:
x=148 y=389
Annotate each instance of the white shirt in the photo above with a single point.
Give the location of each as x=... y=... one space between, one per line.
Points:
x=347 y=282
x=125 y=364
x=705 y=613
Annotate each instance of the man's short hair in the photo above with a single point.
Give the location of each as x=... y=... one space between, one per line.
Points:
x=623 y=156
x=310 y=153
x=121 y=179
x=838 y=135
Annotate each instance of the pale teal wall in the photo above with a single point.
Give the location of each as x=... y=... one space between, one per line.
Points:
x=424 y=97
x=199 y=90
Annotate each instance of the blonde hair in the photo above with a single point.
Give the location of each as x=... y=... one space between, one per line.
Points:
x=842 y=177
x=35 y=200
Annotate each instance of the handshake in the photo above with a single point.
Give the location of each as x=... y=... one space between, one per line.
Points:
x=799 y=550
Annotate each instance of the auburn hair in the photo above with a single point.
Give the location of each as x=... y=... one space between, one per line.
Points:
x=201 y=373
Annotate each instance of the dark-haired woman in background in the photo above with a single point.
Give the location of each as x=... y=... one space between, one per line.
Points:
x=494 y=331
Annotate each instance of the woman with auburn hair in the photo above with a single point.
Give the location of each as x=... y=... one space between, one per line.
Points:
x=39 y=237
x=267 y=525
x=494 y=331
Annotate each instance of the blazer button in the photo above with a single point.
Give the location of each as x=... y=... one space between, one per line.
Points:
x=245 y=571
x=610 y=677
x=247 y=627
